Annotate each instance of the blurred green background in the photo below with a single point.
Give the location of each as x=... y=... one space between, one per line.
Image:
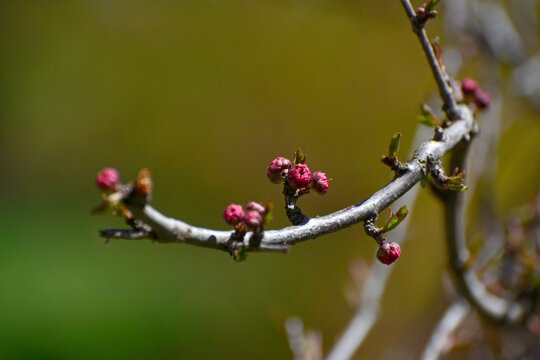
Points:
x=205 y=94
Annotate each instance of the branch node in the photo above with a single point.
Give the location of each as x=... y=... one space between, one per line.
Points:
x=455 y=182
x=439 y=134
x=372 y=230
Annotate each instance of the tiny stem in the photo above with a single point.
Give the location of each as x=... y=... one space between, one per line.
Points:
x=450 y=105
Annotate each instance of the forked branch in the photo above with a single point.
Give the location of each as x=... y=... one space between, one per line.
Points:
x=169 y=230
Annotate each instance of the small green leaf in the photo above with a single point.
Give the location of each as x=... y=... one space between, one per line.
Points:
x=428 y=116
x=299 y=157
x=394 y=145
x=392 y=223
x=427 y=121
x=402 y=213
x=455 y=180
x=455 y=183
x=395 y=219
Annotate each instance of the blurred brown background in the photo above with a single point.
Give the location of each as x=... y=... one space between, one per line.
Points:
x=206 y=94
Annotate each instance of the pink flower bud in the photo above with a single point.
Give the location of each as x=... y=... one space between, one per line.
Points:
x=320 y=182
x=468 y=86
x=388 y=253
x=233 y=214
x=108 y=178
x=278 y=169
x=481 y=98
x=299 y=176
x=252 y=219
x=253 y=205
x=421 y=12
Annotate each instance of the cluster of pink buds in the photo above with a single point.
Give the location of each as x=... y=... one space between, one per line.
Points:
x=388 y=252
x=298 y=176
x=251 y=216
x=108 y=179
x=472 y=91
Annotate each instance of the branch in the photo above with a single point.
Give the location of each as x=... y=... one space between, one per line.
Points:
x=442 y=79
x=439 y=342
x=498 y=309
x=170 y=230
x=294 y=213
x=304 y=345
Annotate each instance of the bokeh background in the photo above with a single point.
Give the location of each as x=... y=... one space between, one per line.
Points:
x=205 y=94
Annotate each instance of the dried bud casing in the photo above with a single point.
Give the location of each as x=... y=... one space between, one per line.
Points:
x=143 y=183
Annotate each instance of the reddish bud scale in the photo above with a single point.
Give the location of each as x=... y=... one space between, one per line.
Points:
x=108 y=178
x=388 y=253
x=233 y=214
x=278 y=169
x=320 y=182
x=299 y=176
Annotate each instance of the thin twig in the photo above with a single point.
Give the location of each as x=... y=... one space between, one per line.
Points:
x=127 y=234
x=304 y=345
x=439 y=342
x=445 y=90
x=499 y=309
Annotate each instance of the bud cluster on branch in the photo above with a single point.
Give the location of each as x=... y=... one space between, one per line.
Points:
x=462 y=100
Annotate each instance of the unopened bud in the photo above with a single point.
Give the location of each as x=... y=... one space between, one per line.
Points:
x=481 y=98
x=388 y=253
x=278 y=169
x=233 y=214
x=253 y=205
x=108 y=178
x=299 y=176
x=252 y=219
x=320 y=182
x=468 y=86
